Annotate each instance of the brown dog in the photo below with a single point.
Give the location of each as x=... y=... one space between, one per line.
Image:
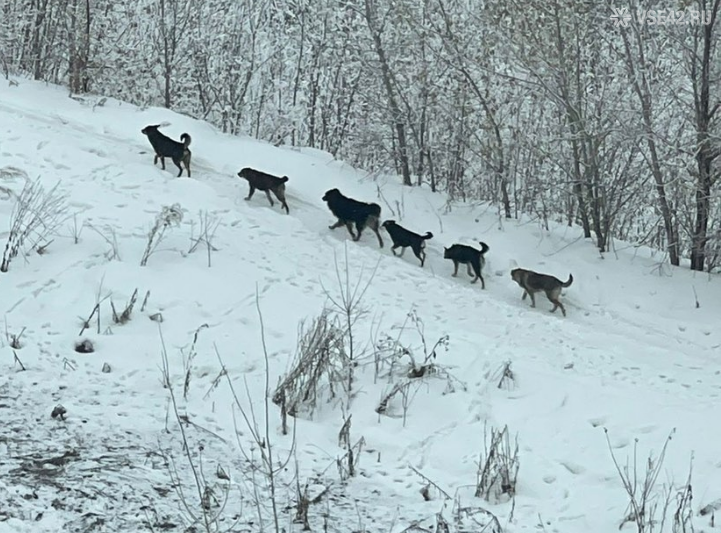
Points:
x=532 y=282
x=266 y=183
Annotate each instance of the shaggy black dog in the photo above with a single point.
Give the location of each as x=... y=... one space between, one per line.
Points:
x=349 y=211
x=166 y=147
x=403 y=238
x=472 y=258
x=266 y=183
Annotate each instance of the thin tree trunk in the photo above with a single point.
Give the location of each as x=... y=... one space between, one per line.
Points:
x=705 y=152
x=397 y=119
x=641 y=88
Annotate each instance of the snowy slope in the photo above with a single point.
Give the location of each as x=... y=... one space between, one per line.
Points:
x=635 y=355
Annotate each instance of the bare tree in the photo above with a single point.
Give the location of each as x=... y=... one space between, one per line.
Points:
x=376 y=27
x=79 y=37
x=701 y=62
x=173 y=18
x=636 y=43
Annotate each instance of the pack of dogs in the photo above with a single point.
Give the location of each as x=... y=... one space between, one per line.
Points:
x=357 y=215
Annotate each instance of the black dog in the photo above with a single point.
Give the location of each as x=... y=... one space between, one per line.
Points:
x=472 y=258
x=403 y=238
x=166 y=147
x=349 y=211
x=266 y=183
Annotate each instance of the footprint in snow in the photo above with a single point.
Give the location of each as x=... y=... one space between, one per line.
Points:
x=573 y=468
x=599 y=421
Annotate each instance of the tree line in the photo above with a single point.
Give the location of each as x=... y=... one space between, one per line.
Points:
x=552 y=108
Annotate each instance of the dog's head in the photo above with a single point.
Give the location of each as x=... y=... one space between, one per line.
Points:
x=147 y=130
x=517 y=275
x=446 y=252
x=330 y=195
x=244 y=173
x=388 y=223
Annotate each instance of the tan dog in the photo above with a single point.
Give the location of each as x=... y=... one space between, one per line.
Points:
x=532 y=282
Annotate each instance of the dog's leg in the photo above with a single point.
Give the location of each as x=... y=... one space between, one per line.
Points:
x=455 y=268
x=186 y=160
x=533 y=298
x=418 y=252
x=359 y=229
x=155 y=159
x=403 y=250
x=336 y=225
x=525 y=293
x=468 y=269
x=478 y=275
x=280 y=195
x=556 y=305
x=380 y=239
x=162 y=161
x=180 y=168
x=267 y=193
x=553 y=298
x=393 y=249
x=250 y=194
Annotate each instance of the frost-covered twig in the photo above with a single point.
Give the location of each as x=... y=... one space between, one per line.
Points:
x=320 y=356
x=169 y=216
x=36 y=215
x=640 y=486
x=271 y=466
x=208 y=225
x=498 y=466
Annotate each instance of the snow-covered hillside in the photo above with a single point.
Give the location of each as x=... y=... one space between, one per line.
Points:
x=636 y=355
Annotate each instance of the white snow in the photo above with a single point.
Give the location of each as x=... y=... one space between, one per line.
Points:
x=634 y=355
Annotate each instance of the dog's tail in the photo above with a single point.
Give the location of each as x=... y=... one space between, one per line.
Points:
x=484 y=247
x=185 y=138
x=568 y=283
x=284 y=179
x=427 y=236
x=376 y=211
